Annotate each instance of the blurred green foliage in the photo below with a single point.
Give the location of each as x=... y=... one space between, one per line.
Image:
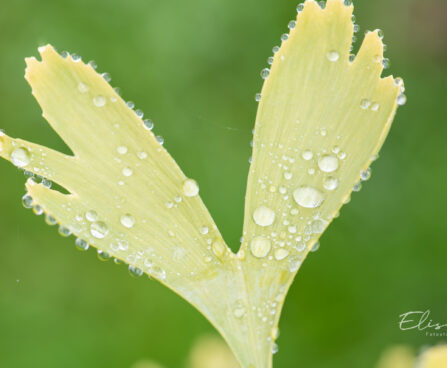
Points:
x=193 y=67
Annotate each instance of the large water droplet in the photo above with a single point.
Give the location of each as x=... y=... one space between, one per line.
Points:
x=20 y=157
x=260 y=247
x=99 y=229
x=328 y=163
x=127 y=220
x=263 y=216
x=308 y=197
x=190 y=188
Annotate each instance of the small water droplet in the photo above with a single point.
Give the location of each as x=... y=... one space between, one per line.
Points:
x=27 y=201
x=218 y=248
x=190 y=188
x=328 y=163
x=99 y=101
x=307 y=155
x=299 y=8
x=91 y=216
x=127 y=220
x=130 y=105
x=139 y=113
x=386 y=63
x=37 y=210
x=263 y=216
x=82 y=87
x=308 y=197
x=281 y=253
x=330 y=183
x=135 y=271
x=401 y=99
x=122 y=150
x=142 y=155
x=333 y=56
x=64 y=231
x=292 y=24
x=160 y=139
x=275 y=348
x=275 y=49
x=357 y=187
x=288 y=175
x=204 y=230
x=365 y=103
x=258 y=97
x=239 y=310
x=315 y=247
x=149 y=124
x=50 y=220
x=127 y=171
x=366 y=174
x=20 y=157
x=103 y=256
x=99 y=229
x=375 y=106
x=260 y=247
x=284 y=37
x=81 y=244
x=265 y=73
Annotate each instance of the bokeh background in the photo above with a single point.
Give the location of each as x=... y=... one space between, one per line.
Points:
x=193 y=67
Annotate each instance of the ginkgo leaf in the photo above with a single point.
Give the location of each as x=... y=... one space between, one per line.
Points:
x=321 y=120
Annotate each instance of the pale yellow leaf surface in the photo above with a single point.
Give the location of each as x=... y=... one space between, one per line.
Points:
x=321 y=121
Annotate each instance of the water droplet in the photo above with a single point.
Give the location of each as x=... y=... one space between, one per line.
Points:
x=281 y=253
x=50 y=220
x=127 y=220
x=122 y=150
x=82 y=87
x=160 y=139
x=274 y=333
x=149 y=124
x=284 y=37
x=375 y=106
x=275 y=348
x=365 y=175
x=64 y=231
x=81 y=245
x=91 y=216
x=265 y=73
x=218 y=248
x=37 y=210
x=263 y=216
x=333 y=56
x=130 y=105
x=239 y=310
x=386 y=63
x=288 y=175
x=401 y=99
x=357 y=187
x=315 y=247
x=190 y=188
x=307 y=155
x=328 y=163
x=103 y=256
x=348 y=2
x=380 y=33
x=330 y=183
x=318 y=226
x=356 y=28
x=142 y=155
x=204 y=230
x=20 y=157
x=127 y=171
x=27 y=201
x=365 y=103
x=139 y=113
x=99 y=101
x=135 y=271
x=93 y=64
x=299 y=8
x=260 y=247
x=158 y=273
x=292 y=24
x=258 y=97
x=308 y=197
x=294 y=263
x=275 y=49
x=99 y=229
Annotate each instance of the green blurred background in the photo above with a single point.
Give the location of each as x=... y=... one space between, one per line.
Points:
x=193 y=67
